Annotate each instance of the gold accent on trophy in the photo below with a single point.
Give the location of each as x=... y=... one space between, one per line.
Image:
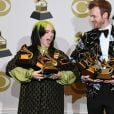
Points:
x=78 y=35
x=25 y=53
x=3 y=50
x=106 y=70
x=41 y=6
x=41 y=10
x=90 y=66
x=51 y=65
x=48 y=64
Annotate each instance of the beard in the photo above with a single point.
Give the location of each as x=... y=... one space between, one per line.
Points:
x=98 y=24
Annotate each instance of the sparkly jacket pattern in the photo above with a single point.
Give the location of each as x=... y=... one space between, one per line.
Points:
x=90 y=42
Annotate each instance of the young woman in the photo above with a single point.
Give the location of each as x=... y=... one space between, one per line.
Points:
x=42 y=71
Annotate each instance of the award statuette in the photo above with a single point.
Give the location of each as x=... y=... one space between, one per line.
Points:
x=41 y=11
x=90 y=66
x=3 y=50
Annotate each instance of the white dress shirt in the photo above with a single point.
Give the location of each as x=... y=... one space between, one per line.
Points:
x=104 y=43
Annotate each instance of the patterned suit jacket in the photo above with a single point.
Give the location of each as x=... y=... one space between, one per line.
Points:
x=90 y=42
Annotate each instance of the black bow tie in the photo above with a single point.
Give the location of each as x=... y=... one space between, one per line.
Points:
x=104 y=31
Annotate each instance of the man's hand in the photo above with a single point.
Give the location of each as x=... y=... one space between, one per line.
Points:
x=110 y=81
x=88 y=79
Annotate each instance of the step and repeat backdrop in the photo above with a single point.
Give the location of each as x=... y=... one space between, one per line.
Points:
x=70 y=17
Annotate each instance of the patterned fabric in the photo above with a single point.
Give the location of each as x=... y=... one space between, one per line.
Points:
x=58 y=59
x=90 y=42
x=39 y=97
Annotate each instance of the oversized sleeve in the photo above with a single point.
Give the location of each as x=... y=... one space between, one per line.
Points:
x=68 y=70
x=17 y=72
x=21 y=74
x=67 y=77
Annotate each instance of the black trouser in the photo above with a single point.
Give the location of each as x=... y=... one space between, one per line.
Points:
x=103 y=101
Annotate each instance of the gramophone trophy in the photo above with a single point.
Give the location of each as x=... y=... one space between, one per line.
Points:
x=41 y=11
x=3 y=50
x=90 y=66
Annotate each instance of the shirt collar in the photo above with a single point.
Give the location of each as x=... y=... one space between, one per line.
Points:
x=43 y=50
x=107 y=27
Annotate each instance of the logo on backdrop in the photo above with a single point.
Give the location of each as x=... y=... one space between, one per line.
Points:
x=5 y=6
x=4 y=81
x=80 y=8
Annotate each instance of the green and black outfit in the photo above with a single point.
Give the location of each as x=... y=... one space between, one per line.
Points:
x=39 y=97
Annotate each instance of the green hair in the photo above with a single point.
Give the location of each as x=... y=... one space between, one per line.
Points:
x=38 y=31
x=43 y=24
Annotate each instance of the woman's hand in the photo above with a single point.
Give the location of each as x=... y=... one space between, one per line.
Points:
x=38 y=75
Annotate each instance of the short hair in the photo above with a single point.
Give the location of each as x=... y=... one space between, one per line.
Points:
x=103 y=5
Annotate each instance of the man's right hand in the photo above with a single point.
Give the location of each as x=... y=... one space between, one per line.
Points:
x=87 y=78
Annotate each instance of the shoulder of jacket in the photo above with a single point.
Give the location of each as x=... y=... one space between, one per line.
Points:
x=92 y=31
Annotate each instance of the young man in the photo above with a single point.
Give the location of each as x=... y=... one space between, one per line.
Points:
x=99 y=45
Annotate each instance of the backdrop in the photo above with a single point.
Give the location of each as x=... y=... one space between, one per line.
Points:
x=69 y=17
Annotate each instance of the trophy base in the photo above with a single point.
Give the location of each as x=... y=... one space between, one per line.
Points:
x=104 y=77
x=105 y=74
x=41 y=16
x=50 y=71
x=5 y=52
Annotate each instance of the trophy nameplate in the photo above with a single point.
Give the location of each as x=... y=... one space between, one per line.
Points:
x=3 y=50
x=41 y=11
